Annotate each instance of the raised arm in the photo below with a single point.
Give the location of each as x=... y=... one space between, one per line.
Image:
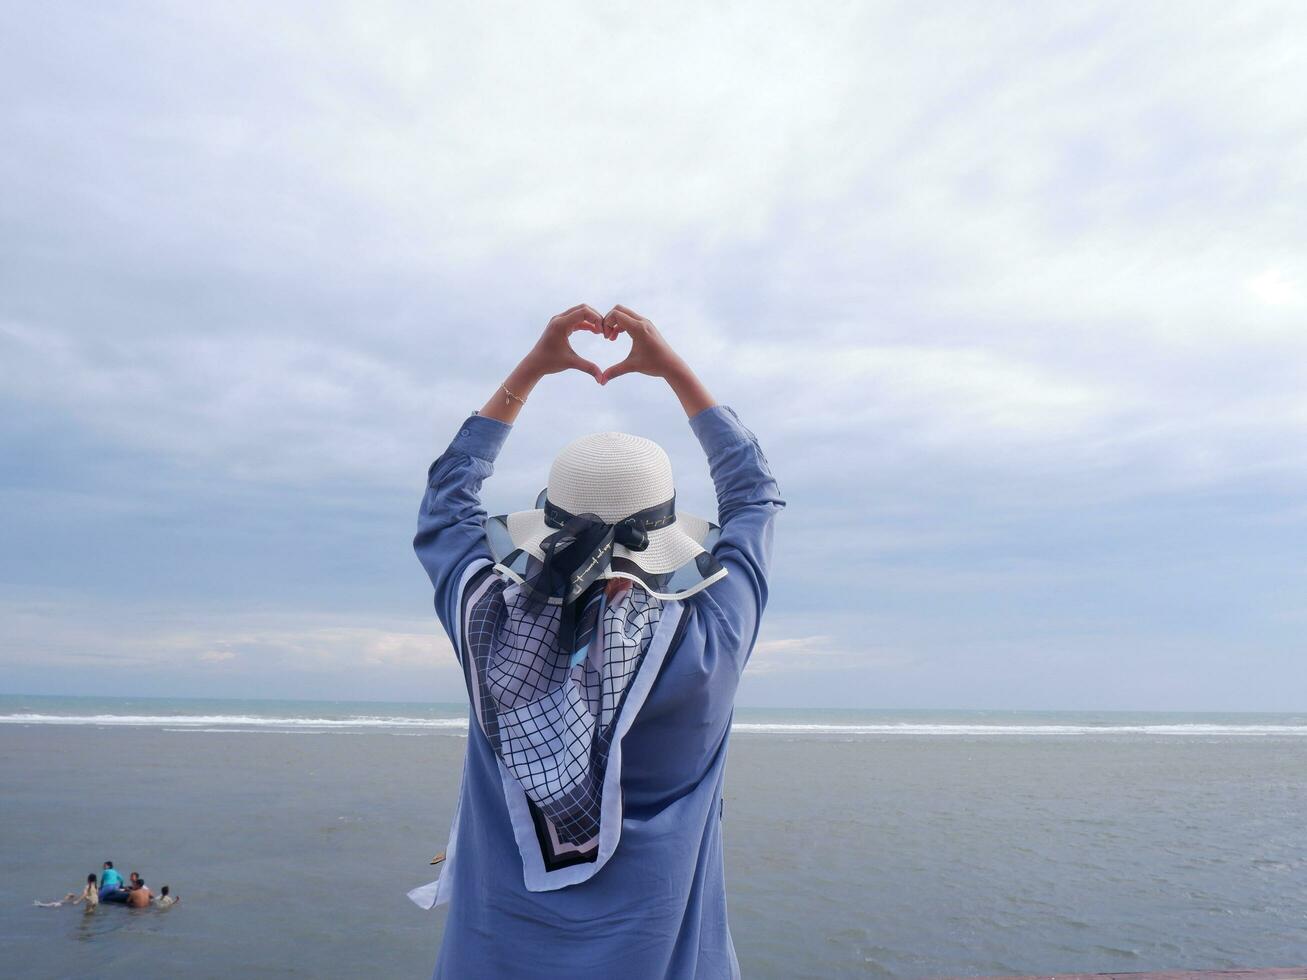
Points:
x=451 y=521
x=748 y=498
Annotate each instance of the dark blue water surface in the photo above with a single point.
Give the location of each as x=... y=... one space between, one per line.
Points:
x=859 y=844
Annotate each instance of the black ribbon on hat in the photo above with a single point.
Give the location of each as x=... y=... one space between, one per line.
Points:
x=578 y=552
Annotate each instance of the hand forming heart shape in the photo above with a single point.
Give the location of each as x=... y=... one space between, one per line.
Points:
x=649 y=353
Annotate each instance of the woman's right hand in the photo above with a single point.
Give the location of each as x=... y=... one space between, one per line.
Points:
x=650 y=353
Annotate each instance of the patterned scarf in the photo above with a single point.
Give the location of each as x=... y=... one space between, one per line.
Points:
x=547 y=704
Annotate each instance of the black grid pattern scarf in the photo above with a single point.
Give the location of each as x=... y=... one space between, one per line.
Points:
x=550 y=721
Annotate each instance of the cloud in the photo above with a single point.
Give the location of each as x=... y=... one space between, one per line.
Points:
x=1272 y=288
x=216 y=656
x=809 y=654
x=258 y=647
x=1013 y=302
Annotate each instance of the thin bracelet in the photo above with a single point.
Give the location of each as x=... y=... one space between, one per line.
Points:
x=508 y=394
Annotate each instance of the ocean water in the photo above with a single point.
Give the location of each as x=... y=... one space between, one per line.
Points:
x=858 y=844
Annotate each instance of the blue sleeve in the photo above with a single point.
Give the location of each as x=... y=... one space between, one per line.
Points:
x=748 y=501
x=451 y=521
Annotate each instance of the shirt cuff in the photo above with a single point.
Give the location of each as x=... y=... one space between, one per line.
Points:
x=718 y=427
x=481 y=436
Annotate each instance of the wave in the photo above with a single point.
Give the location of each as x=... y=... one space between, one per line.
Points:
x=908 y=728
x=230 y=723
x=226 y=722
x=461 y=732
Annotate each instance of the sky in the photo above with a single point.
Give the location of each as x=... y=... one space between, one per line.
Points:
x=1015 y=301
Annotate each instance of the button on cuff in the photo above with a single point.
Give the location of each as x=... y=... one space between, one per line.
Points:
x=481 y=437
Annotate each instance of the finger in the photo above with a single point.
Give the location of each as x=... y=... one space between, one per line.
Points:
x=580 y=317
x=628 y=311
x=589 y=367
x=611 y=326
x=621 y=320
x=617 y=370
x=578 y=312
x=590 y=319
x=616 y=316
x=568 y=312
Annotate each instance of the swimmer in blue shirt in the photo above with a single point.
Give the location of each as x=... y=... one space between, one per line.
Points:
x=111 y=885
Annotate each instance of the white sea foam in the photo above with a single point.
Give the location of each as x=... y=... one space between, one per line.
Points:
x=908 y=728
x=460 y=731
x=457 y=725
x=230 y=722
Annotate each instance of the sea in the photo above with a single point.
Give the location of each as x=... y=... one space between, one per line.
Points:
x=890 y=844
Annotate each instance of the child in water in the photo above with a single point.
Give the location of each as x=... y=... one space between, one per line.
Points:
x=90 y=895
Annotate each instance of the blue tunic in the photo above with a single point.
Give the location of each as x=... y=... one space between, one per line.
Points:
x=657 y=908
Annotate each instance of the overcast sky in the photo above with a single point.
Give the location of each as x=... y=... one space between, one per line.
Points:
x=1015 y=301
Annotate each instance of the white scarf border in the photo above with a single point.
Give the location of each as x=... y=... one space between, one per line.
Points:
x=535 y=877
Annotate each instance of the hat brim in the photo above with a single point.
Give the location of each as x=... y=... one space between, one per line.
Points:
x=677 y=563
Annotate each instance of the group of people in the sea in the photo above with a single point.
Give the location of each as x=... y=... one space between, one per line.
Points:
x=110 y=887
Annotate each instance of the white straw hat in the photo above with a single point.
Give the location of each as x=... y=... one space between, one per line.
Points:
x=623 y=481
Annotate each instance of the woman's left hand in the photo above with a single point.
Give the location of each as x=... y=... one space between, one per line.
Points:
x=553 y=353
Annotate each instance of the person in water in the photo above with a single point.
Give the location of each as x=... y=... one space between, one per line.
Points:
x=166 y=898
x=109 y=878
x=111 y=885
x=90 y=894
x=138 y=897
x=601 y=637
